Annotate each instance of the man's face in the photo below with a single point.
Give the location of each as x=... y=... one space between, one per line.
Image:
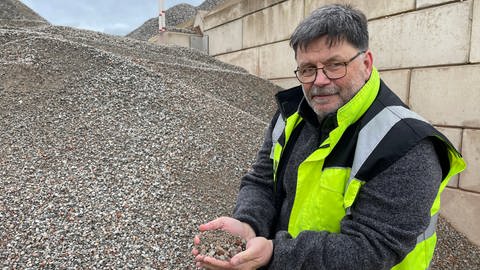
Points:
x=326 y=95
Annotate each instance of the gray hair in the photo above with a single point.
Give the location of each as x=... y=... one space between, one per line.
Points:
x=338 y=22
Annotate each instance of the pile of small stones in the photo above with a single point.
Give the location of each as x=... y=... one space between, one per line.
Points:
x=210 y=4
x=220 y=244
x=16 y=10
x=174 y=16
x=114 y=150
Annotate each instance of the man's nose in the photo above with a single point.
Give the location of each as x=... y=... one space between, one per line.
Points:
x=321 y=78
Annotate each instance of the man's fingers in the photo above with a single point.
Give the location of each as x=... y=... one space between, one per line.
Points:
x=196 y=240
x=216 y=264
x=212 y=225
x=242 y=257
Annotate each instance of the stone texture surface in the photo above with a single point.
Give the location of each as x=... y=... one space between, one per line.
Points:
x=232 y=10
x=286 y=83
x=272 y=66
x=447 y=96
x=225 y=38
x=272 y=24
x=475 y=41
x=426 y=3
x=247 y=59
x=372 y=8
x=462 y=209
x=172 y=38
x=236 y=9
x=435 y=36
x=398 y=81
x=470 y=179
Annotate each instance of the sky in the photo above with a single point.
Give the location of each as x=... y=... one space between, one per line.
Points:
x=116 y=17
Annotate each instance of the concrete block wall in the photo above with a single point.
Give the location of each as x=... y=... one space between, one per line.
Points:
x=428 y=51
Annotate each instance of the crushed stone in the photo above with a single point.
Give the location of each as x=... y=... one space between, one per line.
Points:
x=114 y=150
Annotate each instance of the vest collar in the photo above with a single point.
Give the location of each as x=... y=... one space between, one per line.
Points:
x=359 y=104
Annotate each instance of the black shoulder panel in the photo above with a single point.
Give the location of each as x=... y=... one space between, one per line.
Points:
x=288 y=100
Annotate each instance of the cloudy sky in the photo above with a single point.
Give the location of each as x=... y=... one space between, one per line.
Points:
x=117 y=17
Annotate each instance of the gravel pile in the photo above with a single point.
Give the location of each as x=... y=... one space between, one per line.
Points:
x=179 y=14
x=454 y=251
x=114 y=150
x=150 y=28
x=16 y=10
x=174 y=16
x=210 y=4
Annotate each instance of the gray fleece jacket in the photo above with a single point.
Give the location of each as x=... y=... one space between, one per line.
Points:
x=391 y=210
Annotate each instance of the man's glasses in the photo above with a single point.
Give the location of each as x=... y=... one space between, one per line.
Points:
x=333 y=71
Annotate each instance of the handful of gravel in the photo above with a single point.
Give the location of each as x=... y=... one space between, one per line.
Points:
x=220 y=244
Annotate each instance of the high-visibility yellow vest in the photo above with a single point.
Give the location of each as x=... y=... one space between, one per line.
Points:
x=321 y=204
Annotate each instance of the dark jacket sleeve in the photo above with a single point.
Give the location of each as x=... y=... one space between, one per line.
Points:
x=391 y=210
x=255 y=204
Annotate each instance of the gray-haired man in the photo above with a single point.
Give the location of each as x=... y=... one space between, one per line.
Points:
x=347 y=177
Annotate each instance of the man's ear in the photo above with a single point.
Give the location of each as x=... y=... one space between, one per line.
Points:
x=368 y=61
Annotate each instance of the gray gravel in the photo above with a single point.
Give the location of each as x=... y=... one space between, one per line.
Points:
x=210 y=4
x=114 y=150
x=174 y=16
x=454 y=251
x=150 y=28
x=16 y=10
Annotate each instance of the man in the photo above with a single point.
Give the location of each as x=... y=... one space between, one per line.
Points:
x=347 y=176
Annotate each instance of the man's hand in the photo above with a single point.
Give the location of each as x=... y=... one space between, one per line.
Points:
x=258 y=253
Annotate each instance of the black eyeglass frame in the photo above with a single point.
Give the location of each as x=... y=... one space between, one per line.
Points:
x=345 y=64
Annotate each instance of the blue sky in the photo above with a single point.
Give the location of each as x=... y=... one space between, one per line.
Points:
x=117 y=17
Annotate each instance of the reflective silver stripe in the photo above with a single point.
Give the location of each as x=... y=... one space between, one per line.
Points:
x=373 y=132
x=277 y=132
x=430 y=229
x=428 y=232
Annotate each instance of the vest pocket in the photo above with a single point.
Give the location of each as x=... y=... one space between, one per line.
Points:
x=319 y=199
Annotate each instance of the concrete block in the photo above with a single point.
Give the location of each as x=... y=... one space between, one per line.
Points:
x=236 y=9
x=462 y=210
x=286 y=83
x=475 y=45
x=227 y=13
x=277 y=60
x=172 y=38
x=371 y=8
x=470 y=179
x=311 y=5
x=225 y=38
x=447 y=96
x=434 y=36
x=255 y=5
x=247 y=59
x=272 y=24
x=454 y=135
x=398 y=81
x=426 y=3
x=199 y=21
